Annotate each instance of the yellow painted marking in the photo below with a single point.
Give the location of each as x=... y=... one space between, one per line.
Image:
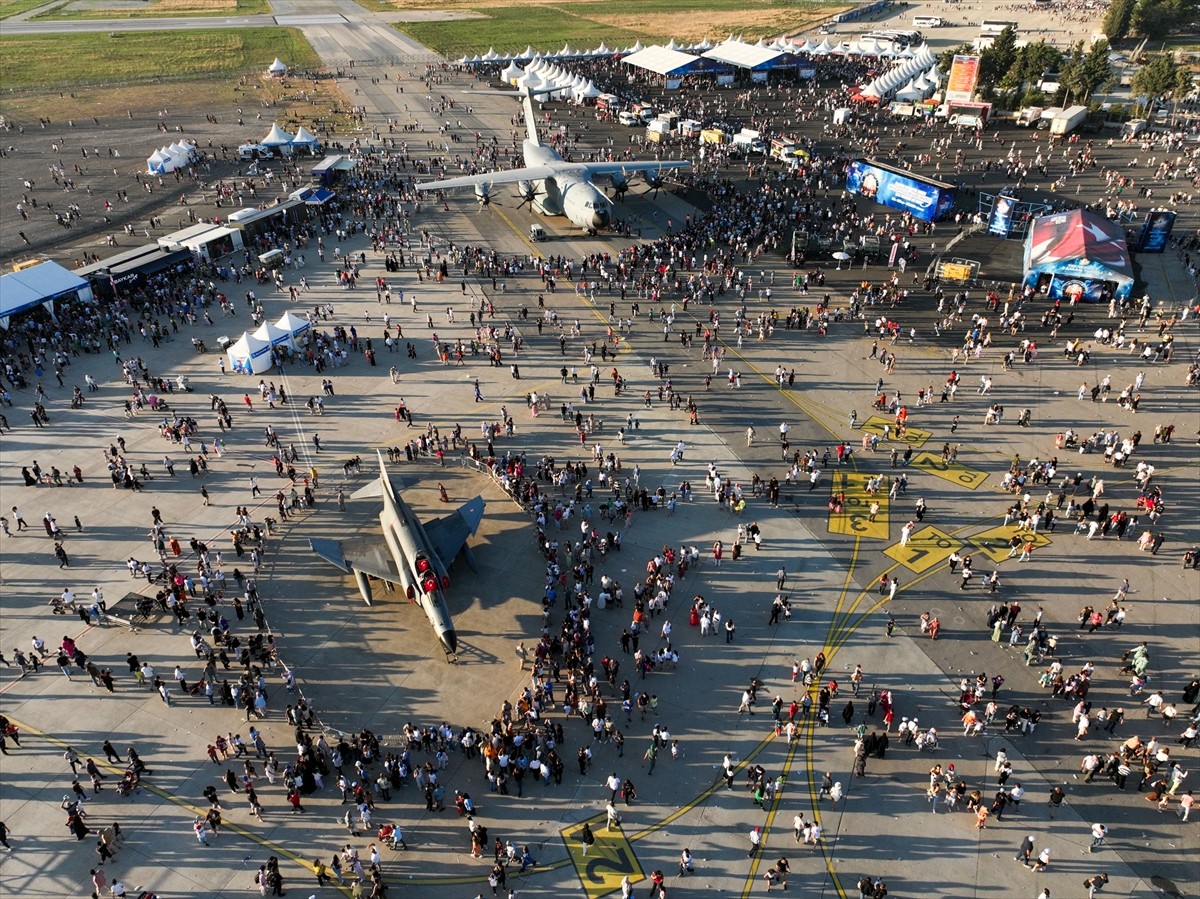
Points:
x=925 y=548
x=995 y=544
x=883 y=427
x=954 y=472
x=853 y=521
x=608 y=860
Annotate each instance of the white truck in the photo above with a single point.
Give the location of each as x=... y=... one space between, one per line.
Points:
x=1029 y=116
x=1047 y=117
x=1068 y=120
x=749 y=142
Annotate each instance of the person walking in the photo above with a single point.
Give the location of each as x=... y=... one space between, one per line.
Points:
x=1099 y=832
x=586 y=837
x=755 y=841
x=1025 y=852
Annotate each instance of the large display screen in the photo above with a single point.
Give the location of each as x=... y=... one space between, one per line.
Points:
x=927 y=200
x=964 y=76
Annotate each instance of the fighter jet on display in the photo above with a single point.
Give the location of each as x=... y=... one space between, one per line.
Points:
x=553 y=186
x=412 y=556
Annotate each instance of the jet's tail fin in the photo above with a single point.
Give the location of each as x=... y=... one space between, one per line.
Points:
x=530 y=119
x=374 y=489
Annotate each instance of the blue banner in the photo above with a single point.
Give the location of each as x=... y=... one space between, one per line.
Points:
x=1156 y=232
x=1001 y=221
x=923 y=199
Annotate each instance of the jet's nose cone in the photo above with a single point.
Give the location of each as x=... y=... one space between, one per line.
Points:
x=600 y=219
x=450 y=640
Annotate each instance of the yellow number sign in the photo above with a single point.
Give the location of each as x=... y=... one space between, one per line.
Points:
x=608 y=859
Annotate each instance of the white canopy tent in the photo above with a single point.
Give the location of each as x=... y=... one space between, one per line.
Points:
x=278 y=68
x=305 y=138
x=293 y=324
x=249 y=355
x=159 y=163
x=277 y=137
x=274 y=335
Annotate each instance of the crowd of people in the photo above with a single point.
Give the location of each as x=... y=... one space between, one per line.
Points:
x=707 y=286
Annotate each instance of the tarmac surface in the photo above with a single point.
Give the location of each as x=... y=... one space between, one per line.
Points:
x=379 y=667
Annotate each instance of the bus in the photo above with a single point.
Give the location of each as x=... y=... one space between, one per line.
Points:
x=927 y=21
x=995 y=26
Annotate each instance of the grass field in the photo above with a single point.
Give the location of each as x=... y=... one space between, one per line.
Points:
x=138 y=9
x=69 y=60
x=16 y=7
x=586 y=23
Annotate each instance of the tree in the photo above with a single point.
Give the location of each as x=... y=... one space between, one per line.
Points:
x=1158 y=18
x=1160 y=77
x=996 y=60
x=1083 y=72
x=1156 y=77
x=1034 y=60
x=1117 y=19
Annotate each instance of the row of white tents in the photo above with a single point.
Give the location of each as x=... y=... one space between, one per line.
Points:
x=284 y=143
x=541 y=75
x=252 y=353
x=914 y=80
x=277 y=137
x=782 y=44
x=167 y=159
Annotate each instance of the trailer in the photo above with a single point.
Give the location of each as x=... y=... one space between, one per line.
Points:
x=1068 y=120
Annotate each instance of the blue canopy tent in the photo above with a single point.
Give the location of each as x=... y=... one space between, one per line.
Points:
x=38 y=285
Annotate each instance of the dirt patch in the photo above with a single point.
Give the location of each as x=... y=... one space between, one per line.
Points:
x=717 y=24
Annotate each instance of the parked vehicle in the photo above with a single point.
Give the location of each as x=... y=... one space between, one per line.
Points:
x=1068 y=120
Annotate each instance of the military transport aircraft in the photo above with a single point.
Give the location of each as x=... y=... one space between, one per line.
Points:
x=553 y=186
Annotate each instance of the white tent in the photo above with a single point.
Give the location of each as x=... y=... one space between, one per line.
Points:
x=512 y=73
x=292 y=324
x=180 y=153
x=160 y=163
x=305 y=138
x=274 y=335
x=278 y=68
x=249 y=355
x=277 y=137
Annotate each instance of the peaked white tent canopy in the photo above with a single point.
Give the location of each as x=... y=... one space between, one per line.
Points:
x=278 y=67
x=249 y=355
x=273 y=335
x=159 y=163
x=305 y=138
x=293 y=324
x=512 y=73
x=277 y=137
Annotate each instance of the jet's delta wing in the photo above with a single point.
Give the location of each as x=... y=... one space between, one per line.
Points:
x=449 y=534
